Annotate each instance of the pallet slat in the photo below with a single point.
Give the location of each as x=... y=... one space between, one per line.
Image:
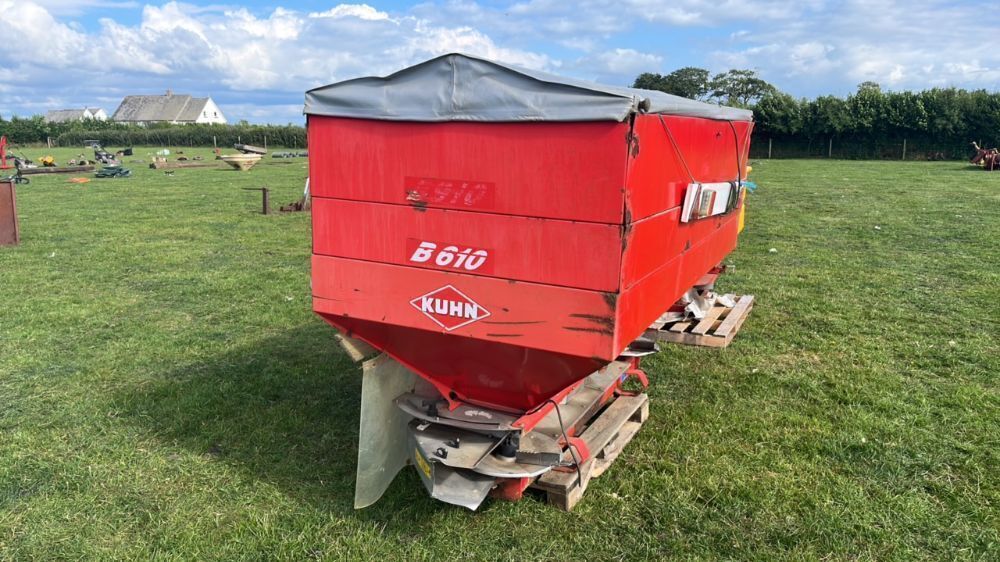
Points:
x=611 y=451
x=717 y=329
x=664 y=318
x=735 y=316
x=605 y=437
x=708 y=321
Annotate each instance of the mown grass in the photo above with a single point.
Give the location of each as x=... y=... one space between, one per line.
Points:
x=166 y=393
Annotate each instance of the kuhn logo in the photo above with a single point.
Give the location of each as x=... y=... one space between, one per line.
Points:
x=448 y=256
x=449 y=308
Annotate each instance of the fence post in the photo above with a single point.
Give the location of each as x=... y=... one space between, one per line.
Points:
x=769 y=148
x=829 y=150
x=214 y=143
x=265 y=142
x=904 y=149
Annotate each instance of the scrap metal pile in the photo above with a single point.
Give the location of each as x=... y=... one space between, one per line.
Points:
x=113 y=172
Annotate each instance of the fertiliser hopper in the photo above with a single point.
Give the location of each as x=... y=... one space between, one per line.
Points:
x=987 y=158
x=507 y=235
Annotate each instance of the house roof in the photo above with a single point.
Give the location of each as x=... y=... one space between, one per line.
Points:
x=94 y=110
x=457 y=87
x=64 y=115
x=171 y=107
x=193 y=109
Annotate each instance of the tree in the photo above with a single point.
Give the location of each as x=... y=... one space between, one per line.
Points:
x=905 y=113
x=650 y=81
x=829 y=115
x=982 y=115
x=868 y=108
x=779 y=113
x=943 y=111
x=688 y=82
x=739 y=88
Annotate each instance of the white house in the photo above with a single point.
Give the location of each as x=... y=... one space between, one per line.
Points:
x=68 y=115
x=168 y=108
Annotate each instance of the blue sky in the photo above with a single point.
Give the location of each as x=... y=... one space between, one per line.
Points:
x=257 y=58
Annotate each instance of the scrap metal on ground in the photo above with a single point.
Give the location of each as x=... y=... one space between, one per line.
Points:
x=297 y=206
x=303 y=204
x=241 y=162
x=55 y=170
x=104 y=157
x=161 y=163
x=21 y=162
x=113 y=172
x=250 y=149
x=17 y=178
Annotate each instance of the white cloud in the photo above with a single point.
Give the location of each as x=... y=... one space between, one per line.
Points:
x=77 y=7
x=258 y=63
x=361 y=11
x=617 y=66
x=902 y=45
x=27 y=27
x=234 y=55
x=808 y=46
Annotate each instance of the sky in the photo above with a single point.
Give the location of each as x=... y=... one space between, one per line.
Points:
x=257 y=58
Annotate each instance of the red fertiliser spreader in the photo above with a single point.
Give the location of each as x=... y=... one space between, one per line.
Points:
x=507 y=235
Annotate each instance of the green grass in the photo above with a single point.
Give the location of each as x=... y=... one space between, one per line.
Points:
x=165 y=391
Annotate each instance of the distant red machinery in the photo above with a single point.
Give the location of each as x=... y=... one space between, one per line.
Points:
x=987 y=158
x=3 y=153
x=505 y=233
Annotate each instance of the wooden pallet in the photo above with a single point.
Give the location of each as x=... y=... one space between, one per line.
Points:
x=717 y=329
x=605 y=436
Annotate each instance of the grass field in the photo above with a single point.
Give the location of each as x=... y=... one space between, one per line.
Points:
x=165 y=391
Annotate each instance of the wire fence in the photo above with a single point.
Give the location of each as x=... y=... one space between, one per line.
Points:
x=864 y=149
x=190 y=135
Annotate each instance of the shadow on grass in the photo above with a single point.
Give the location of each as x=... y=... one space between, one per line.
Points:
x=283 y=410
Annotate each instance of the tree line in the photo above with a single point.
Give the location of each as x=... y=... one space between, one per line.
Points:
x=869 y=123
x=36 y=130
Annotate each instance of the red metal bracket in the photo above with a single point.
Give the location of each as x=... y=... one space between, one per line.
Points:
x=712 y=275
x=637 y=374
x=511 y=489
x=582 y=450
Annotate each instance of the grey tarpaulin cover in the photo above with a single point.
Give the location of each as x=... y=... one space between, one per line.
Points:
x=459 y=87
